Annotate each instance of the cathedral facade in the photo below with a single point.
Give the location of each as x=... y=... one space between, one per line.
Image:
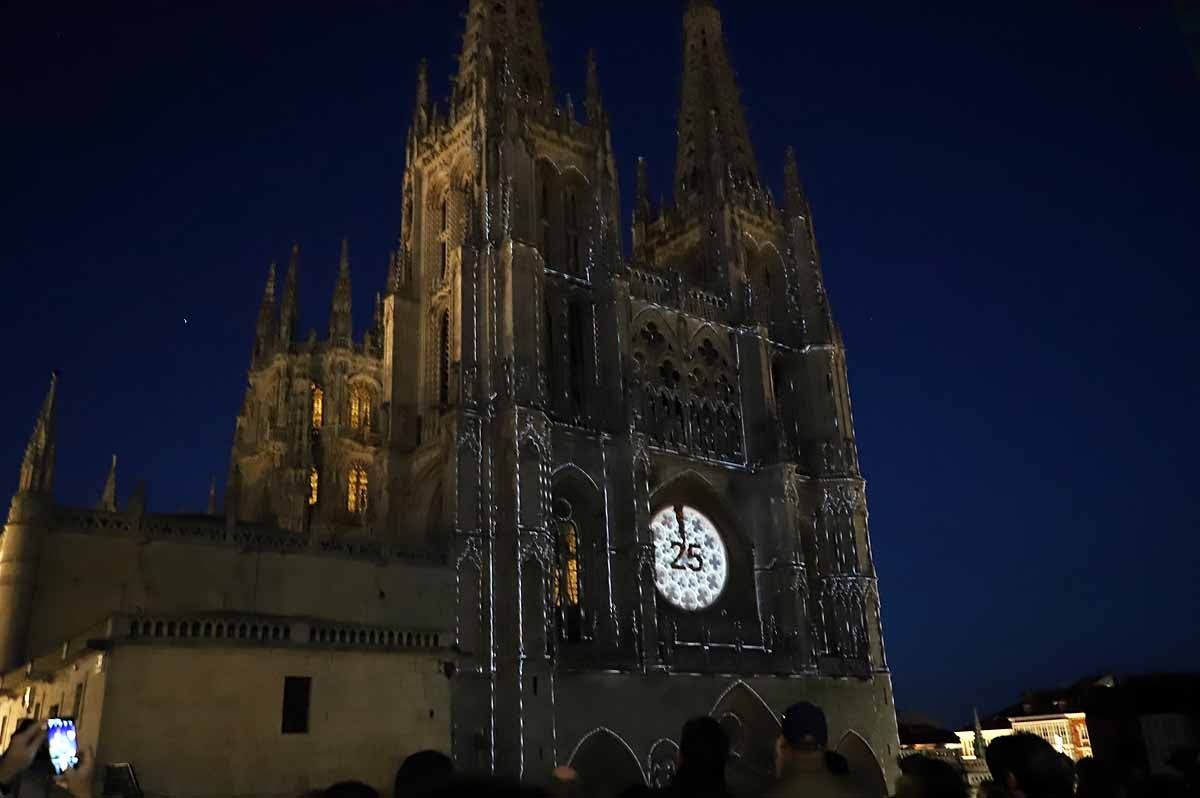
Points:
x=611 y=488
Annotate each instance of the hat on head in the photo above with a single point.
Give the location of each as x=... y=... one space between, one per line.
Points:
x=804 y=724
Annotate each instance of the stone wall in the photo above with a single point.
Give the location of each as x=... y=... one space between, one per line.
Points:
x=83 y=577
x=205 y=721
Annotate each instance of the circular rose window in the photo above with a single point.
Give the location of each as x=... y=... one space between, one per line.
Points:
x=690 y=563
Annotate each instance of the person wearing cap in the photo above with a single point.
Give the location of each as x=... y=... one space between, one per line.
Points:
x=804 y=766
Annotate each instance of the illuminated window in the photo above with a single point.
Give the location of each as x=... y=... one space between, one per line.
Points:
x=360 y=407
x=318 y=407
x=356 y=493
x=565 y=585
x=444 y=362
x=314 y=486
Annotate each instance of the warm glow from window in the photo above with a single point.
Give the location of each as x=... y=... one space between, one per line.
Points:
x=568 y=570
x=356 y=494
x=318 y=407
x=360 y=407
x=314 y=485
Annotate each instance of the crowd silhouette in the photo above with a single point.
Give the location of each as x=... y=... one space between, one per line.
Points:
x=1021 y=766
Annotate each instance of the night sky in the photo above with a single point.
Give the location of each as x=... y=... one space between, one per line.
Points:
x=1006 y=195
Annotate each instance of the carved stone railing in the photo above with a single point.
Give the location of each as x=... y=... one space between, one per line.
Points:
x=705 y=304
x=213 y=530
x=657 y=288
x=265 y=629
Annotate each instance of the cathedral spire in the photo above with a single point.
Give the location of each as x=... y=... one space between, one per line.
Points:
x=212 y=495
x=594 y=106
x=341 y=323
x=504 y=42
x=264 y=327
x=287 y=308
x=712 y=122
x=421 y=113
x=795 y=203
x=980 y=745
x=37 y=467
x=108 y=499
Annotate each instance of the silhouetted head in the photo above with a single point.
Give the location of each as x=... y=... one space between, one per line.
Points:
x=349 y=789
x=1027 y=765
x=423 y=773
x=804 y=733
x=703 y=750
x=926 y=777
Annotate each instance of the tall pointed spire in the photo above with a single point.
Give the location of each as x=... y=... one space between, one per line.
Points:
x=212 y=496
x=288 y=307
x=795 y=203
x=423 y=85
x=712 y=122
x=108 y=499
x=264 y=328
x=504 y=41
x=37 y=467
x=980 y=746
x=594 y=107
x=341 y=323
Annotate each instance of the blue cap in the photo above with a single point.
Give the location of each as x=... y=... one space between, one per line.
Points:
x=804 y=724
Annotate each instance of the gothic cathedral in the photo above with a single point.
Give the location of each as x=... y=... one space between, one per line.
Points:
x=636 y=466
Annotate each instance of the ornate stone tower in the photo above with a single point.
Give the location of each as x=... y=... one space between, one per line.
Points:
x=310 y=442
x=642 y=470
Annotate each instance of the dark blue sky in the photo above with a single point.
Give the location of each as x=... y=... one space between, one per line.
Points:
x=1007 y=197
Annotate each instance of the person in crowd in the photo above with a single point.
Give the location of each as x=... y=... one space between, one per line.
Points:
x=1096 y=779
x=1026 y=766
x=926 y=777
x=804 y=766
x=26 y=760
x=350 y=789
x=703 y=754
x=423 y=773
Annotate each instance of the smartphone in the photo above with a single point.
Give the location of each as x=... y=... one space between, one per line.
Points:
x=61 y=742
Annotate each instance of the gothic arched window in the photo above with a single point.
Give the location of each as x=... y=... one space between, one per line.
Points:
x=575 y=356
x=314 y=486
x=318 y=407
x=572 y=208
x=445 y=236
x=444 y=360
x=544 y=214
x=360 y=407
x=567 y=583
x=356 y=490
x=548 y=365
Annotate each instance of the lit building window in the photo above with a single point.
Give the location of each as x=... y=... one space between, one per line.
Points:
x=314 y=486
x=360 y=407
x=565 y=587
x=356 y=494
x=318 y=407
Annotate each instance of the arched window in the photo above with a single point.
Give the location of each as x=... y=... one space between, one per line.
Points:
x=445 y=236
x=356 y=490
x=572 y=207
x=444 y=361
x=575 y=355
x=318 y=406
x=314 y=486
x=544 y=213
x=548 y=365
x=360 y=407
x=567 y=584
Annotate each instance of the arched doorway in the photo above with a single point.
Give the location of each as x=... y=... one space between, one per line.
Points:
x=753 y=729
x=606 y=764
x=864 y=765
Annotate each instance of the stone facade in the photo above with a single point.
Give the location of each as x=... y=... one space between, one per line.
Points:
x=527 y=398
